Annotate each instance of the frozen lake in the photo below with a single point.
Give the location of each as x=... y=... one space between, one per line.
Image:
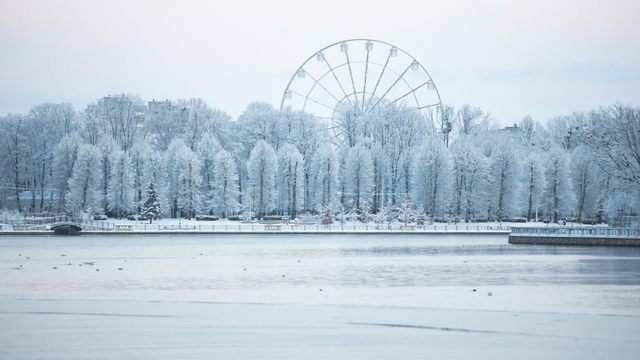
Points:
x=315 y=296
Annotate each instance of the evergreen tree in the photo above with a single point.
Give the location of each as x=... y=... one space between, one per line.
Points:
x=154 y=170
x=151 y=208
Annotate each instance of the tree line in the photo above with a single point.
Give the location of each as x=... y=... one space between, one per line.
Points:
x=121 y=156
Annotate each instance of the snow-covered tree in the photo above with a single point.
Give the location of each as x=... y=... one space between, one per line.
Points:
x=431 y=177
x=120 y=193
x=349 y=123
x=151 y=209
x=120 y=115
x=445 y=122
x=613 y=134
x=533 y=183
x=504 y=180
x=396 y=130
x=163 y=124
x=224 y=193
x=382 y=178
x=261 y=121
x=586 y=177
x=326 y=185
x=188 y=168
x=558 y=193
x=290 y=179
x=172 y=163
x=49 y=123
x=403 y=177
x=154 y=172
x=207 y=149
x=358 y=177
x=470 y=121
x=64 y=157
x=139 y=154
x=198 y=119
x=262 y=167
x=471 y=178
x=107 y=146
x=326 y=215
x=307 y=133
x=84 y=193
x=405 y=211
x=58 y=119
x=13 y=152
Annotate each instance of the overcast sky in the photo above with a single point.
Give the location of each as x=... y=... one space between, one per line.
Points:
x=511 y=58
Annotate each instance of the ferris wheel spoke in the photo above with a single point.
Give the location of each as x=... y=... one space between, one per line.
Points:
x=373 y=94
x=325 y=105
x=353 y=84
x=317 y=82
x=391 y=87
x=364 y=88
x=338 y=81
x=428 y=106
x=413 y=91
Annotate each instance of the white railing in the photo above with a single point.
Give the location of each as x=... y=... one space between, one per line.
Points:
x=575 y=231
x=90 y=225
x=47 y=223
x=283 y=228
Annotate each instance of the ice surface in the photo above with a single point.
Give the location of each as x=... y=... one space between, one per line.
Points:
x=382 y=297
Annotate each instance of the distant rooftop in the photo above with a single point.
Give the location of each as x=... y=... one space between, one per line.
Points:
x=513 y=129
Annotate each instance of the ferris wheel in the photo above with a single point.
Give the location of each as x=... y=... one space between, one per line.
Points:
x=360 y=75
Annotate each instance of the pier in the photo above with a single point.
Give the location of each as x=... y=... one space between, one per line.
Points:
x=590 y=236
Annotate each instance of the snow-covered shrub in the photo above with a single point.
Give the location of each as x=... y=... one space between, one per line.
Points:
x=308 y=218
x=207 y=218
x=9 y=216
x=275 y=218
x=326 y=216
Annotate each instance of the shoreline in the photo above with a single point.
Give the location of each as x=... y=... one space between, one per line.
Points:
x=259 y=232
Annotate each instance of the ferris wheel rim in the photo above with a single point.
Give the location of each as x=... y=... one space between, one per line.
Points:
x=348 y=62
x=319 y=78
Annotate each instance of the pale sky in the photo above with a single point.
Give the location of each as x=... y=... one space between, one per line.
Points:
x=511 y=58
